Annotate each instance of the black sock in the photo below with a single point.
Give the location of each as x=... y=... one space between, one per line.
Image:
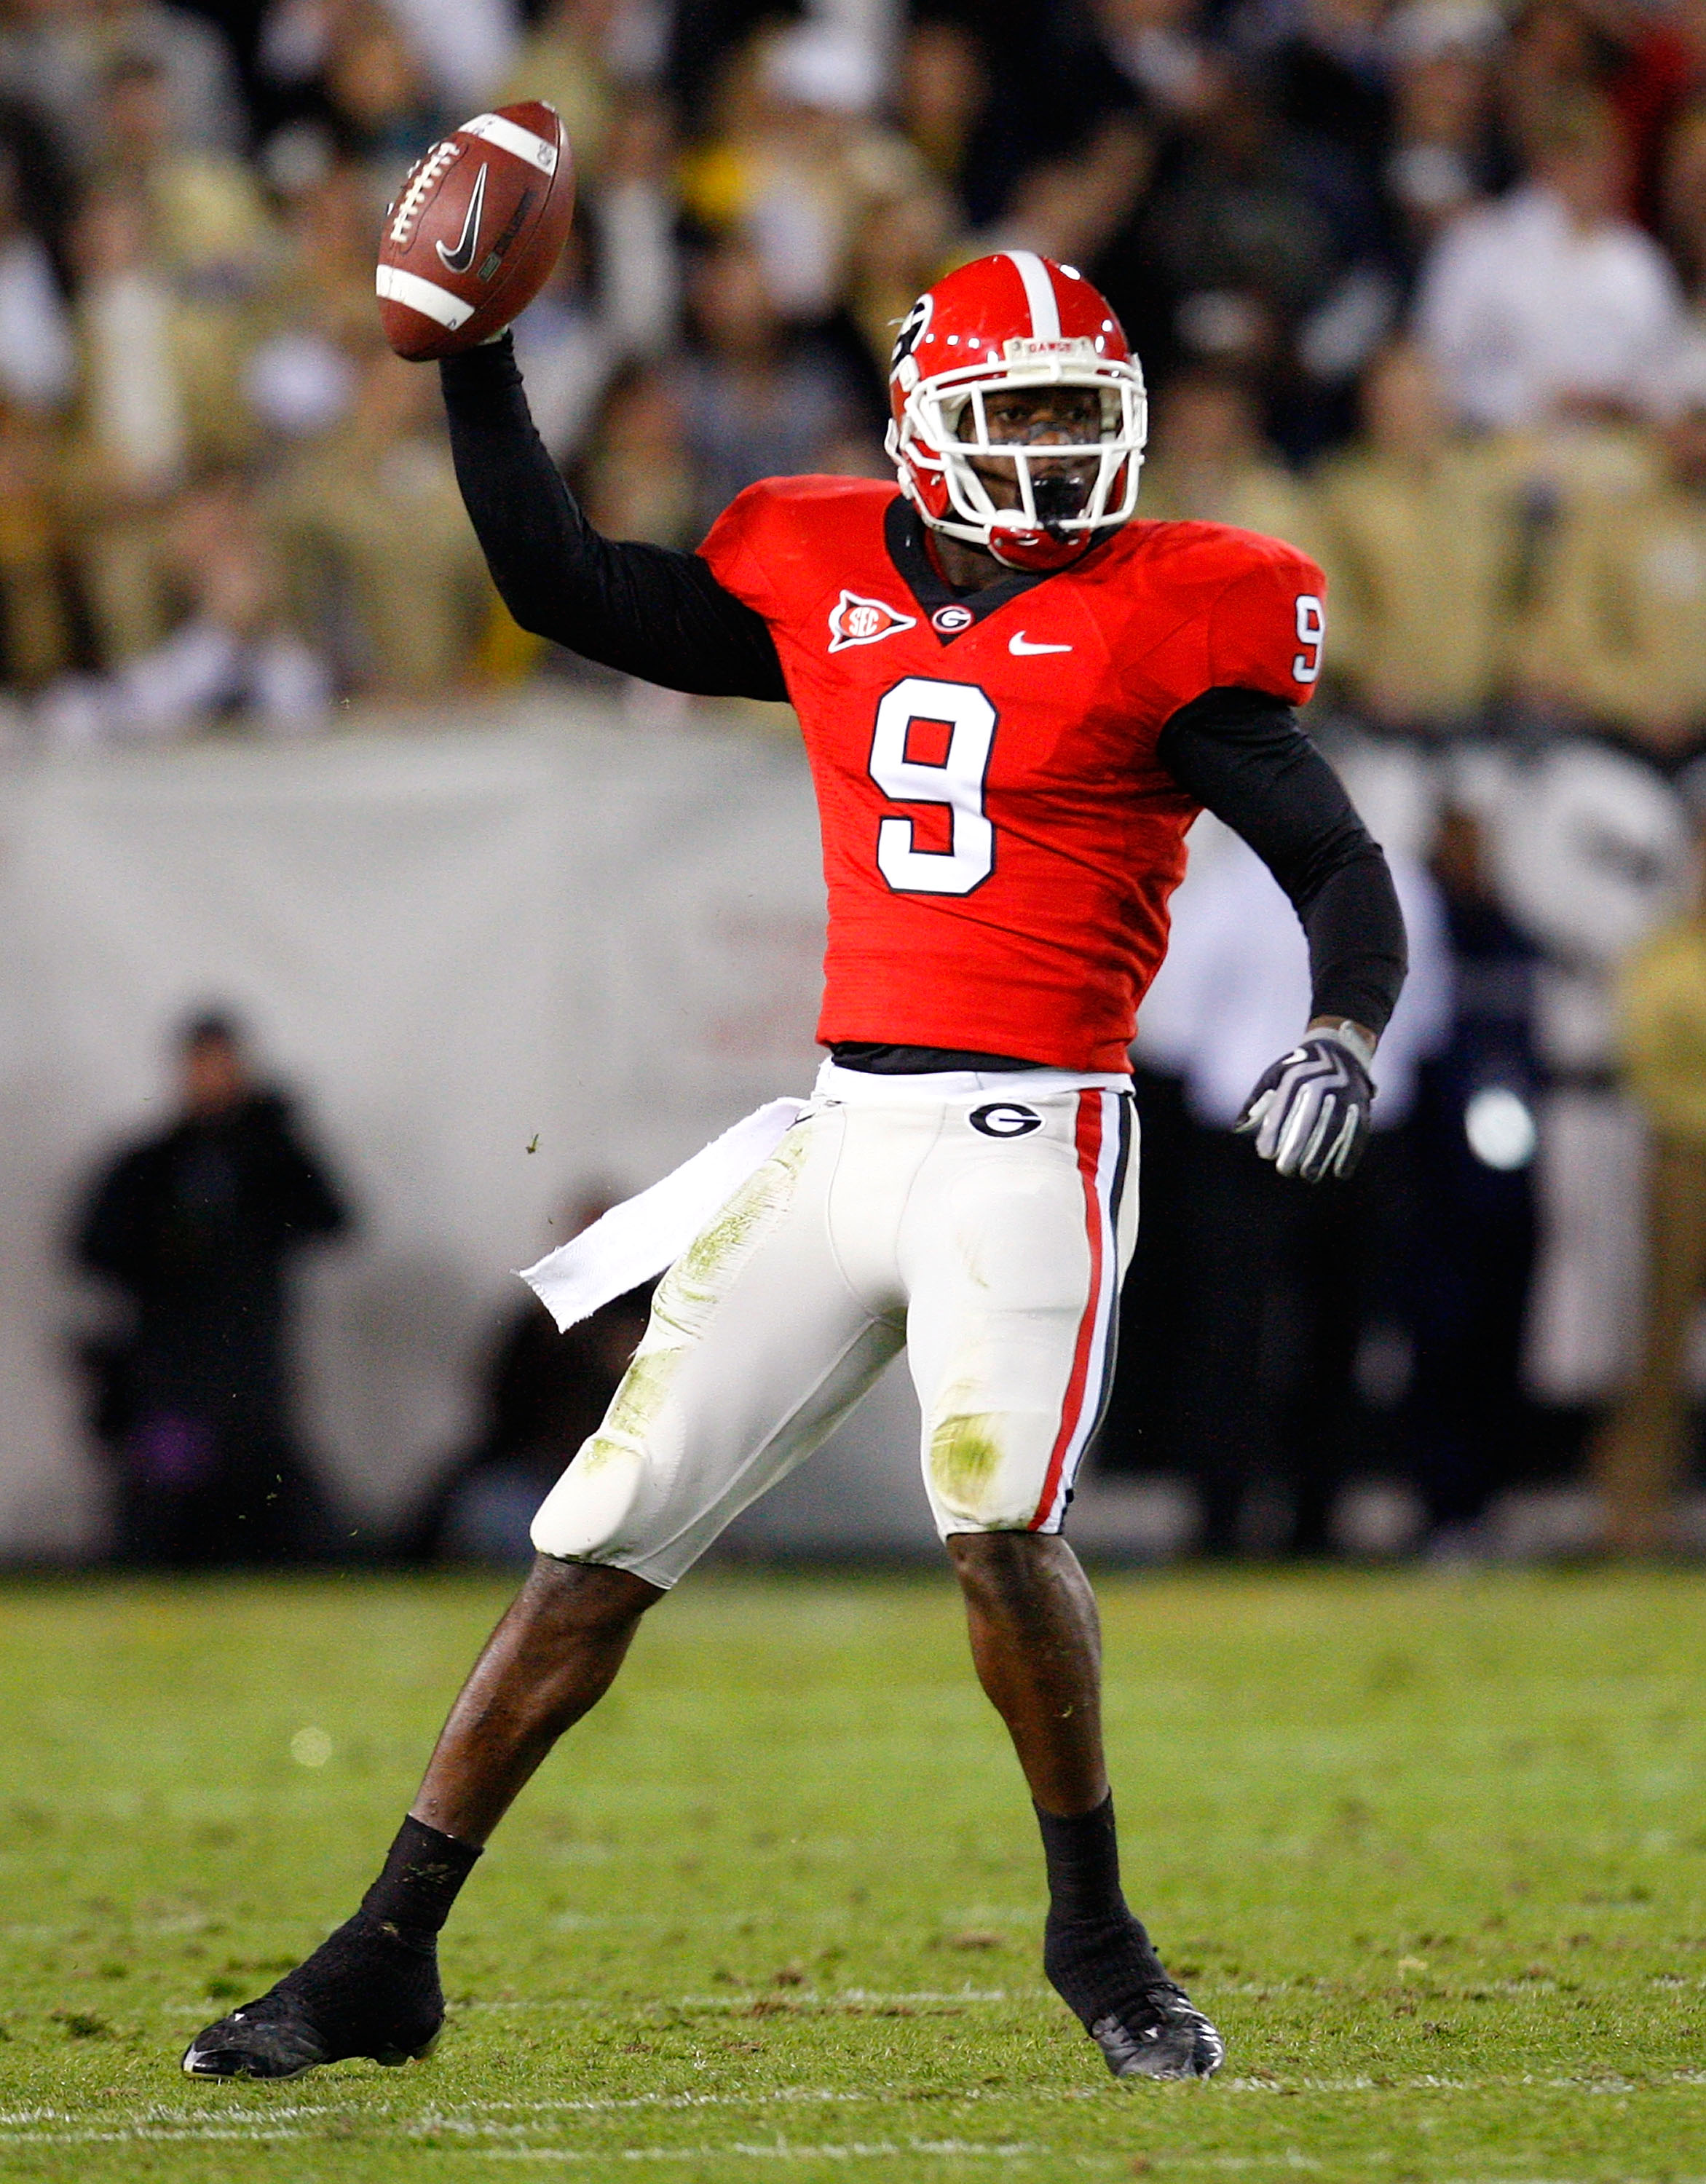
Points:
x=371 y=1987
x=1098 y=1958
x=1083 y=1855
x=422 y=1874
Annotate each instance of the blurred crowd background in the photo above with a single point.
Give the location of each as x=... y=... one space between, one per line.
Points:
x=1419 y=285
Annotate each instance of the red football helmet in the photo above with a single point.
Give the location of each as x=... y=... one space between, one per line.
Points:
x=1014 y=321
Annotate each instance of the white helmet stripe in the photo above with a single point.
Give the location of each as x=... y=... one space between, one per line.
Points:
x=1040 y=294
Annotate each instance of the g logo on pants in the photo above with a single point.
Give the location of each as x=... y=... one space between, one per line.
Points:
x=1004 y=1119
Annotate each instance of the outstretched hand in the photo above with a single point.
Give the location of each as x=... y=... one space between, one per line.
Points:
x=1309 y=1111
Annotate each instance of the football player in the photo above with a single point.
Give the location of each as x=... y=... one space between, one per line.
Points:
x=1015 y=697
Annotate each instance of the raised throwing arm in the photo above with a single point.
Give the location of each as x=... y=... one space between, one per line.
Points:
x=646 y=610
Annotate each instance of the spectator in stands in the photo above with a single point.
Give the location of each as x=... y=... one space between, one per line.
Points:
x=564 y=345
x=756 y=404
x=36 y=358
x=43 y=192
x=1660 y=69
x=1475 y=1138
x=1591 y=846
x=206 y=223
x=942 y=96
x=383 y=107
x=1551 y=300
x=314 y=318
x=1159 y=47
x=800 y=162
x=639 y=481
x=131 y=446
x=55 y=58
x=382 y=568
x=1071 y=208
x=197 y=1227
x=464 y=49
x=1682 y=205
x=903 y=245
x=1410 y=498
x=37 y=619
x=564 y=58
x=1295 y=1331
x=1557 y=50
x=1328 y=72
x=1441 y=160
x=1642 y=1460
x=1245 y=234
x=632 y=217
x=1620 y=636
x=232 y=660
x=613 y=295
x=1209 y=464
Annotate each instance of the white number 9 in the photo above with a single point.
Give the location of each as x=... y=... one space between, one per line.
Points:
x=955 y=781
x=1311 y=628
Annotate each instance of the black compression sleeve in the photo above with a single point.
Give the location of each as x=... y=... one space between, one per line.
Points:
x=1243 y=755
x=654 y=613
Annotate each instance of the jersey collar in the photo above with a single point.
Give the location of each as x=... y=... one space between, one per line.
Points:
x=903 y=533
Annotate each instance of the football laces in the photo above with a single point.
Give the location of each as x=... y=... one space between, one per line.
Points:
x=418 y=188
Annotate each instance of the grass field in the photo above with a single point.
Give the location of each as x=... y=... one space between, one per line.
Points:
x=1432 y=1852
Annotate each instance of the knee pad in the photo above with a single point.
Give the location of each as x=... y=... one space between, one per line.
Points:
x=984 y=1470
x=585 y=1511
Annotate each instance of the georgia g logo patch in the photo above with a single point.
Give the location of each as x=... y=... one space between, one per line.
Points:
x=1005 y=1118
x=855 y=621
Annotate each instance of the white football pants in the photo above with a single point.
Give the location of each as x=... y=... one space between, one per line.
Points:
x=983 y=1222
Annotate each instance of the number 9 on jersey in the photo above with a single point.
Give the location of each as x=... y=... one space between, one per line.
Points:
x=955 y=781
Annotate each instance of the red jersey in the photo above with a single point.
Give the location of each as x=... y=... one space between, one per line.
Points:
x=1000 y=840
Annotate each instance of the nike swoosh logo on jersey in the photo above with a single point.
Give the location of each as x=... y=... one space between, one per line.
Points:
x=1021 y=647
x=462 y=257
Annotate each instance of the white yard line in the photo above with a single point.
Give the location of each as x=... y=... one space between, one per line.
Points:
x=139 y=2135
x=950 y=2149
x=221 y=2111
x=799 y=1998
x=780 y=1999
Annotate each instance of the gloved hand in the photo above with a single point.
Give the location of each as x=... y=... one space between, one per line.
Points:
x=1309 y=1112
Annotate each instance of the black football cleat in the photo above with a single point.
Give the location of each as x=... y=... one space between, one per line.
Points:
x=366 y=1991
x=1162 y=2036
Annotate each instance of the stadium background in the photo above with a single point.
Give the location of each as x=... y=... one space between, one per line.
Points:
x=1416 y=285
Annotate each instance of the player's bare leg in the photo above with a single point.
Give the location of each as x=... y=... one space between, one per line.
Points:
x=371 y=1988
x=550 y=1660
x=1036 y=1641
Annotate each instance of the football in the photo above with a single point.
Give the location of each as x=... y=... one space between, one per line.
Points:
x=472 y=235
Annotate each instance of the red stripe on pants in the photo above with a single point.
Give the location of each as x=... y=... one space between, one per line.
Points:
x=1072 y=1410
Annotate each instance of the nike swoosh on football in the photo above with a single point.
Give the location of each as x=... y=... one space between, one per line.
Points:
x=462 y=257
x=1019 y=645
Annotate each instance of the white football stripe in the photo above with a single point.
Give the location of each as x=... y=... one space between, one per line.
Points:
x=427 y=297
x=511 y=137
x=1040 y=294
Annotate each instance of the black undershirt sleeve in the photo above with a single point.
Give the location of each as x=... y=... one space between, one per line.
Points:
x=1241 y=755
x=649 y=611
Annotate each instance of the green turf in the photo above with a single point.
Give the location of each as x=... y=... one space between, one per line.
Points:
x=1432 y=1852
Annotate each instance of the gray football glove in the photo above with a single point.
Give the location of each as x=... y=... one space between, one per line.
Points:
x=1309 y=1112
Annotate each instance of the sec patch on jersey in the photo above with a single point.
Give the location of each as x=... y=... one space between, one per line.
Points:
x=472 y=235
